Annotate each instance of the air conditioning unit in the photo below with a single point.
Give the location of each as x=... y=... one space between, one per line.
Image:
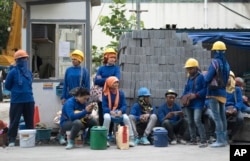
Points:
x=39 y=31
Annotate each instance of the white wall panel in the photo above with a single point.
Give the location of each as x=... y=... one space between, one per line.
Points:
x=73 y=10
x=185 y=15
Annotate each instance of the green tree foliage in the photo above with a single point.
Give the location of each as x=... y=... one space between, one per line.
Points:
x=5 y=17
x=114 y=25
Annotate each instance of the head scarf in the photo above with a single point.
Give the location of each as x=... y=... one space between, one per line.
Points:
x=145 y=106
x=77 y=57
x=231 y=87
x=106 y=91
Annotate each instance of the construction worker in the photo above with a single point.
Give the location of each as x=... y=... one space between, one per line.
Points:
x=233 y=106
x=106 y=70
x=114 y=107
x=75 y=76
x=195 y=90
x=76 y=116
x=217 y=96
x=19 y=82
x=142 y=116
x=172 y=118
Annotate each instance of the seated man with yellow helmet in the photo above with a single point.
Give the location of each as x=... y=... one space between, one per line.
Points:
x=233 y=106
x=76 y=115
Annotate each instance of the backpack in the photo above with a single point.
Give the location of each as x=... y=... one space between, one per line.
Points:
x=217 y=81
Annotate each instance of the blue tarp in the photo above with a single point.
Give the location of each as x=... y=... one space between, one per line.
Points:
x=237 y=39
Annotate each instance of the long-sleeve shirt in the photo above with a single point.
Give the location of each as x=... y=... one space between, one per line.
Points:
x=20 y=93
x=69 y=108
x=235 y=99
x=225 y=69
x=72 y=80
x=122 y=105
x=136 y=111
x=197 y=86
x=105 y=72
x=164 y=110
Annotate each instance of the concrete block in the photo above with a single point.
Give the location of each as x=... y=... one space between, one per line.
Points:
x=143 y=68
x=128 y=35
x=136 y=34
x=170 y=60
x=130 y=59
x=146 y=42
x=155 y=75
x=157 y=34
x=173 y=42
x=134 y=43
x=157 y=51
x=161 y=60
x=144 y=34
x=147 y=76
x=121 y=59
x=155 y=43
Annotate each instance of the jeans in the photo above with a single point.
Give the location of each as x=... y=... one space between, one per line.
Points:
x=246 y=110
x=219 y=114
x=150 y=124
x=194 y=120
x=107 y=121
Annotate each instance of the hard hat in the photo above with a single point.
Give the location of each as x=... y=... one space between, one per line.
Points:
x=143 y=91
x=219 y=45
x=20 y=54
x=239 y=81
x=172 y=92
x=109 y=51
x=77 y=52
x=232 y=74
x=191 y=62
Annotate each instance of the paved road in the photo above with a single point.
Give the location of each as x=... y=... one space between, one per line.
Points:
x=53 y=152
x=139 y=153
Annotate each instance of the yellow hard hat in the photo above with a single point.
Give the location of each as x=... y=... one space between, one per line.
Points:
x=77 y=53
x=20 y=54
x=219 y=45
x=191 y=62
x=109 y=51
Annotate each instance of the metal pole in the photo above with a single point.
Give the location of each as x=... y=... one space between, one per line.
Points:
x=205 y=14
x=138 y=19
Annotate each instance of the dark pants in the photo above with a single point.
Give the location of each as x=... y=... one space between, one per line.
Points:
x=175 y=129
x=75 y=126
x=100 y=113
x=15 y=113
x=209 y=126
x=234 y=123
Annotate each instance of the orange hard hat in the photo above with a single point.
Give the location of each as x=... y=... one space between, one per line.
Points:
x=20 y=54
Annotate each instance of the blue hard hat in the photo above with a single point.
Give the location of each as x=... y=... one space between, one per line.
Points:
x=143 y=91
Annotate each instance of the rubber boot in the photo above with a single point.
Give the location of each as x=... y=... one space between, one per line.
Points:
x=219 y=140
x=225 y=138
x=70 y=144
x=62 y=140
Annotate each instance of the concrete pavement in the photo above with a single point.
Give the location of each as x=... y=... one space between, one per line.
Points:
x=144 y=153
x=55 y=152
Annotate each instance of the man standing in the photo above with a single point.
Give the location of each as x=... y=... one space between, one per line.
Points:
x=219 y=68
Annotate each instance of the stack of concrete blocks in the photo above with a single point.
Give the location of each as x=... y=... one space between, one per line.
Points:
x=155 y=59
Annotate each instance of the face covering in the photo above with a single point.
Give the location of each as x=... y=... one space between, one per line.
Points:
x=22 y=66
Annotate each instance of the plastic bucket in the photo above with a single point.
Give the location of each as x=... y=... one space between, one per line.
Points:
x=27 y=138
x=160 y=137
x=98 y=138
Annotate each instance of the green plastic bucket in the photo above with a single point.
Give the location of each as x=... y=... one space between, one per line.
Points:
x=98 y=138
